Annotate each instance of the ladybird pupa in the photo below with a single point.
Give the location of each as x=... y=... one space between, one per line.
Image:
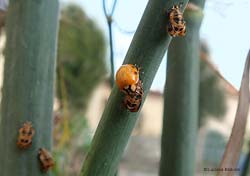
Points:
x=26 y=133
x=176 y=25
x=45 y=159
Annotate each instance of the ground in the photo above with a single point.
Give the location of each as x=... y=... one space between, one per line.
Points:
x=141 y=157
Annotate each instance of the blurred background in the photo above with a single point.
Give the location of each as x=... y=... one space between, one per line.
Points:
x=83 y=82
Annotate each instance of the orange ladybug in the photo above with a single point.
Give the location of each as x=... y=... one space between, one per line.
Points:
x=127 y=75
x=46 y=160
x=26 y=134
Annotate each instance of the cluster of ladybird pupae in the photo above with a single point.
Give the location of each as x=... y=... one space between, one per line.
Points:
x=24 y=141
x=128 y=81
x=176 y=25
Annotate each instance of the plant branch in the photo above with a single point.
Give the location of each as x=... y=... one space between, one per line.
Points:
x=108 y=16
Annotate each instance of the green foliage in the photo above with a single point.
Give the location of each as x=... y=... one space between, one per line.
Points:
x=81 y=56
x=80 y=66
x=212 y=97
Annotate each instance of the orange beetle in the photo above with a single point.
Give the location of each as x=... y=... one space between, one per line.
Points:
x=127 y=75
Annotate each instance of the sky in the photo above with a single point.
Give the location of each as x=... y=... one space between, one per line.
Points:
x=225 y=28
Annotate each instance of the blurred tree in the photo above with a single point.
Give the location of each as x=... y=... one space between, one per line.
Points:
x=81 y=65
x=81 y=53
x=212 y=97
x=214 y=147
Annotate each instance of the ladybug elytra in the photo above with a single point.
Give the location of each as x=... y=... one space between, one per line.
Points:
x=127 y=75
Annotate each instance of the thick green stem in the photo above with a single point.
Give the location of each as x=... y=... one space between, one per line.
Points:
x=28 y=83
x=181 y=100
x=146 y=51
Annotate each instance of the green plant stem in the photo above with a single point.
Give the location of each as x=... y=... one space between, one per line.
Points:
x=111 y=53
x=109 y=16
x=181 y=101
x=146 y=51
x=28 y=84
